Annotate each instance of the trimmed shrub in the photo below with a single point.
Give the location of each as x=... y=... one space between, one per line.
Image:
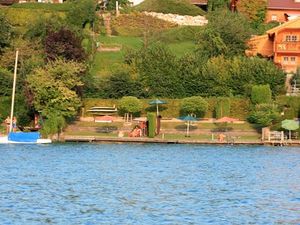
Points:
x=261 y=94
x=151 y=124
x=193 y=105
x=222 y=107
x=129 y=104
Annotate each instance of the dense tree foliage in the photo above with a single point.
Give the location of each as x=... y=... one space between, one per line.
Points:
x=226 y=33
x=82 y=12
x=254 y=10
x=5 y=32
x=157 y=69
x=217 y=4
x=121 y=84
x=111 y=5
x=40 y=27
x=5 y=82
x=53 y=88
x=64 y=44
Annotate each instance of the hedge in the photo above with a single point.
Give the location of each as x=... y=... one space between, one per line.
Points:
x=240 y=107
x=152 y=124
x=222 y=107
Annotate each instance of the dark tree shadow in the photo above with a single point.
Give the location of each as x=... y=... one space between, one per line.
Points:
x=182 y=127
x=106 y=129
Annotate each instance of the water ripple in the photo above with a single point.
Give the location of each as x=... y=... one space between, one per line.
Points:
x=149 y=184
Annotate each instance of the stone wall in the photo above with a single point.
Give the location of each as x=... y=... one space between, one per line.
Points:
x=179 y=19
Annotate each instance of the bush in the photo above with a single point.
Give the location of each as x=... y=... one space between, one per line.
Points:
x=261 y=94
x=181 y=7
x=222 y=107
x=193 y=105
x=53 y=124
x=138 y=24
x=129 y=104
x=265 y=114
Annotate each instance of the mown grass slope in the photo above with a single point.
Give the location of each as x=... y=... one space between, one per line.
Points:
x=137 y=24
x=181 y=7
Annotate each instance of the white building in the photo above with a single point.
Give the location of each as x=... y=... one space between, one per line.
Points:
x=136 y=2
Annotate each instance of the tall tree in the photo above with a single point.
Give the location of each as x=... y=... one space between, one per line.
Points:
x=53 y=88
x=158 y=71
x=64 y=44
x=254 y=10
x=226 y=33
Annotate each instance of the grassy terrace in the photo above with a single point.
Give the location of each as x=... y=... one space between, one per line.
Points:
x=169 y=130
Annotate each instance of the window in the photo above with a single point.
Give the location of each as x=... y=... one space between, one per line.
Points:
x=274 y=17
x=289 y=60
x=293 y=59
x=290 y=38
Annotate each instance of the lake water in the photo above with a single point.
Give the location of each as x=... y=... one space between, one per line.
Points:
x=149 y=184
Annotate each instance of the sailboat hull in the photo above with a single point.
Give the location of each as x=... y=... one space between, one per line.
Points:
x=24 y=138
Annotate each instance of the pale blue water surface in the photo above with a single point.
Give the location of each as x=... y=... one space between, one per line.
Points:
x=149 y=184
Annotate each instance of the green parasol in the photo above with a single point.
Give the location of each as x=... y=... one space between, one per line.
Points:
x=290 y=125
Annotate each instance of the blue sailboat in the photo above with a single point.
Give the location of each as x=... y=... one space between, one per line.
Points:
x=20 y=137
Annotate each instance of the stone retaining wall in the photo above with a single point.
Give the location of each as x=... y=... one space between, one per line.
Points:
x=179 y=19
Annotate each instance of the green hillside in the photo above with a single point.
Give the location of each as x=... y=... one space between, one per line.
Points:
x=181 y=7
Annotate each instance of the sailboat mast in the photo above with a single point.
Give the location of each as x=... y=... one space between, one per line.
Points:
x=13 y=92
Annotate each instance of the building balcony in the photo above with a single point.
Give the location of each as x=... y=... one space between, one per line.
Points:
x=288 y=47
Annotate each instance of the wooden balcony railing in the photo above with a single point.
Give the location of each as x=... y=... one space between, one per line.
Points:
x=288 y=46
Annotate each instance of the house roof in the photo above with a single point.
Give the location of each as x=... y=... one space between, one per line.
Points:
x=295 y=23
x=8 y=2
x=284 y=4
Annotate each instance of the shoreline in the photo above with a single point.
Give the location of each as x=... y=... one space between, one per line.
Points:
x=95 y=139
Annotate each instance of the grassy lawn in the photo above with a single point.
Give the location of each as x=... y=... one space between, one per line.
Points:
x=125 y=42
x=105 y=63
x=181 y=48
